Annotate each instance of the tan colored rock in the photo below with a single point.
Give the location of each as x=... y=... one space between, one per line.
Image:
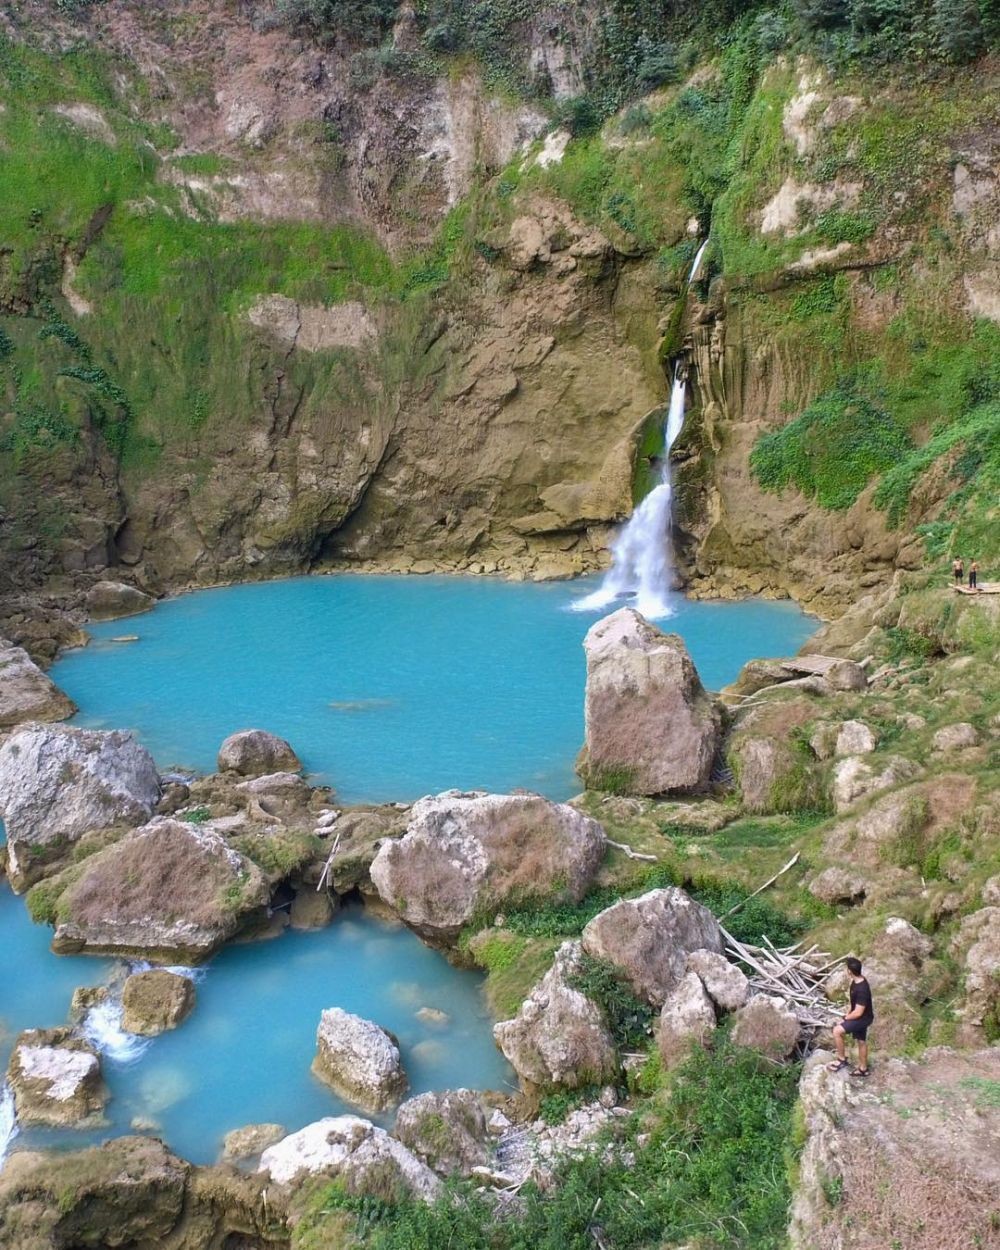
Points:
x=855 y=738
x=766 y=1025
x=465 y=854
x=854 y=779
x=977 y=943
x=171 y=890
x=255 y=752
x=650 y=937
x=726 y=984
x=365 y=1159
x=559 y=1036
x=359 y=1060
x=106 y=601
x=311 y=908
x=251 y=1141
x=446 y=1130
x=156 y=1001
x=687 y=1019
x=955 y=737
x=26 y=693
x=650 y=726
x=56 y=1079
x=837 y=885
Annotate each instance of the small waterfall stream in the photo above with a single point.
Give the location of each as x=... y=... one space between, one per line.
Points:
x=8 y=1122
x=640 y=555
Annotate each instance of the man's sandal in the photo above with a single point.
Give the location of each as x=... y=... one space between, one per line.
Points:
x=861 y=1073
x=837 y=1066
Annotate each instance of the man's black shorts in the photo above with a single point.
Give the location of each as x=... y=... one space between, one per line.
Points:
x=858 y=1029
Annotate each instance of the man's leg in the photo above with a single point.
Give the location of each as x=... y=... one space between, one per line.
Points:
x=838 y=1041
x=863 y=1056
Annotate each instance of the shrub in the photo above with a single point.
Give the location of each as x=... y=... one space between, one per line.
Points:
x=629 y=1020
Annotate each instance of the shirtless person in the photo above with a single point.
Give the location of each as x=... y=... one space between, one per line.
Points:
x=958 y=568
x=856 y=1023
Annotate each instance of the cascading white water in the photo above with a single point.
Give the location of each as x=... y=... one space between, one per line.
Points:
x=8 y=1121
x=640 y=555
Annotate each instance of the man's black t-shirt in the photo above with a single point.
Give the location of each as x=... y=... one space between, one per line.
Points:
x=861 y=996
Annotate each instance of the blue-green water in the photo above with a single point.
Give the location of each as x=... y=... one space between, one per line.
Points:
x=243 y=1055
x=387 y=687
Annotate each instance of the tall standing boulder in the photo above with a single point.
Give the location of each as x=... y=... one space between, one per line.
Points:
x=650 y=937
x=359 y=1060
x=559 y=1036
x=26 y=693
x=172 y=890
x=58 y=783
x=464 y=854
x=650 y=726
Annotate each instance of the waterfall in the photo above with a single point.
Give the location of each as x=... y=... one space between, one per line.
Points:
x=8 y=1121
x=640 y=555
x=102 y=1025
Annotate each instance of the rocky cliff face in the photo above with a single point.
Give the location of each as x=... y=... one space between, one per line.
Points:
x=310 y=303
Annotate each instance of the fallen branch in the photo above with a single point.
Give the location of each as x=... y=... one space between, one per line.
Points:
x=760 y=889
x=329 y=861
x=627 y=850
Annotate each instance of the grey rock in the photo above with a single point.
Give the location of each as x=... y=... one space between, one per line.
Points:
x=837 y=885
x=255 y=752
x=56 y=1079
x=688 y=1017
x=726 y=984
x=359 y=1060
x=58 y=783
x=26 y=693
x=955 y=737
x=251 y=1141
x=766 y=1025
x=446 y=1130
x=106 y=601
x=156 y=1001
x=650 y=937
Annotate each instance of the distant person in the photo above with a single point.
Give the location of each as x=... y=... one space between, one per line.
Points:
x=856 y=1023
x=958 y=568
x=974 y=575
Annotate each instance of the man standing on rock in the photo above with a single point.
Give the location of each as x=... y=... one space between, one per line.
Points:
x=856 y=1023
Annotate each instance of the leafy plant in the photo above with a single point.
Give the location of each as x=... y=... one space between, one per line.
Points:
x=629 y=1020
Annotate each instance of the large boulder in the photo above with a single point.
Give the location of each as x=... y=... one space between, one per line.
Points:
x=250 y=1141
x=465 y=854
x=650 y=726
x=977 y=944
x=26 y=693
x=774 y=770
x=106 y=601
x=559 y=1035
x=129 y=1192
x=726 y=984
x=58 y=783
x=359 y=1060
x=172 y=890
x=766 y=1025
x=446 y=1130
x=650 y=937
x=687 y=1019
x=155 y=1001
x=56 y=1079
x=365 y=1159
x=256 y=753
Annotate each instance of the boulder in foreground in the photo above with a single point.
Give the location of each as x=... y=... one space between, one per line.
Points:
x=650 y=937
x=359 y=1060
x=56 y=1079
x=465 y=854
x=256 y=753
x=58 y=783
x=559 y=1036
x=446 y=1130
x=26 y=693
x=171 y=890
x=650 y=726
x=365 y=1159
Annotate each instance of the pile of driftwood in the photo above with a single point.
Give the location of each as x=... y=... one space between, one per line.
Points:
x=796 y=976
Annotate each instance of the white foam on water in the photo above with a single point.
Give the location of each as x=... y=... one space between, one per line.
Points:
x=8 y=1121
x=641 y=566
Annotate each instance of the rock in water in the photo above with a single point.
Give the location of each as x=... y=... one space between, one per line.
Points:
x=255 y=753
x=26 y=693
x=559 y=1035
x=359 y=1060
x=171 y=890
x=464 y=854
x=56 y=1079
x=154 y=1002
x=650 y=726
x=58 y=783
x=251 y=1141
x=365 y=1159
x=650 y=937
x=106 y=601
x=446 y=1130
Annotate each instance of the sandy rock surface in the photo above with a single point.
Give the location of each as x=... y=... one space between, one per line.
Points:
x=156 y=1001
